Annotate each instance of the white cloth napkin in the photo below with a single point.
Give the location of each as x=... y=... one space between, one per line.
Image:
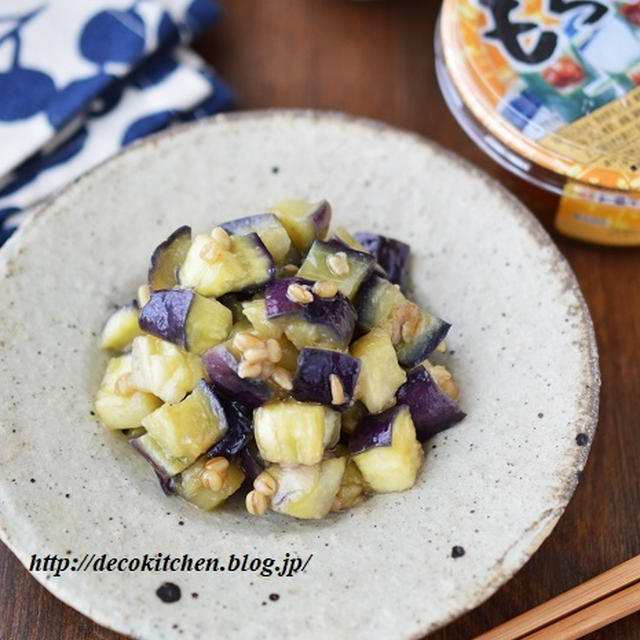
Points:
x=79 y=79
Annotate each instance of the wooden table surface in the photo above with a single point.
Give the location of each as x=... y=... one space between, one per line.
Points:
x=375 y=59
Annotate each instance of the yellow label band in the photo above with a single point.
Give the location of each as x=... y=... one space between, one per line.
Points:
x=581 y=217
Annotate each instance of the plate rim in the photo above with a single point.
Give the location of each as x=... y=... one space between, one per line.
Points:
x=532 y=226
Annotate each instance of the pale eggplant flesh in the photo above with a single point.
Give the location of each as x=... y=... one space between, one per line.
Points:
x=167 y=258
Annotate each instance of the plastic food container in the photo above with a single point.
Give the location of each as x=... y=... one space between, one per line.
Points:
x=551 y=90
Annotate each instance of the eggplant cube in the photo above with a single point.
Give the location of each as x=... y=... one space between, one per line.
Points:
x=385 y=448
x=304 y=221
x=271 y=232
x=291 y=432
x=167 y=258
x=336 y=262
x=121 y=328
x=323 y=322
x=222 y=368
x=186 y=319
x=414 y=332
x=313 y=381
x=189 y=428
x=307 y=491
x=380 y=374
x=161 y=368
x=432 y=332
x=122 y=409
x=164 y=464
x=432 y=410
x=190 y=486
x=343 y=236
x=246 y=266
x=392 y=255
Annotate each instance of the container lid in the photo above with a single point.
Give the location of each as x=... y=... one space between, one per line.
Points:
x=556 y=81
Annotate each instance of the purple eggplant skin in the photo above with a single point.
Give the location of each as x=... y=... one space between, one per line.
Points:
x=251 y=461
x=165 y=315
x=432 y=410
x=336 y=312
x=270 y=265
x=262 y=223
x=434 y=332
x=167 y=483
x=321 y=219
x=368 y=304
x=249 y=224
x=311 y=382
x=240 y=420
x=222 y=368
x=163 y=270
x=392 y=255
x=374 y=431
x=277 y=302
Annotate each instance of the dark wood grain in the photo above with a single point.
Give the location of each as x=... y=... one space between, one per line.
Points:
x=376 y=59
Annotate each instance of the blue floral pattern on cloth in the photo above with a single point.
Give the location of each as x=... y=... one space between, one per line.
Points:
x=79 y=79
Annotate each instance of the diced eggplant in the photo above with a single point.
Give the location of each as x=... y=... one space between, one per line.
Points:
x=323 y=322
x=385 y=448
x=165 y=465
x=250 y=461
x=189 y=428
x=186 y=319
x=190 y=487
x=167 y=259
x=433 y=331
x=381 y=304
x=304 y=221
x=312 y=382
x=222 y=368
x=256 y=312
x=165 y=315
x=391 y=254
x=307 y=491
x=341 y=235
x=432 y=410
x=334 y=261
x=120 y=406
x=121 y=328
x=290 y=432
x=380 y=373
x=272 y=233
x=247 y=266
x=208 y=324
x=240 y=431
x=162 y=368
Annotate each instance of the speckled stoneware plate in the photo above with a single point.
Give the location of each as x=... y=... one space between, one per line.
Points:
x=522 y=350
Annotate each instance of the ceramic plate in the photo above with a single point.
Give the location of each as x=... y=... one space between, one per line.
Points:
x=521 y=347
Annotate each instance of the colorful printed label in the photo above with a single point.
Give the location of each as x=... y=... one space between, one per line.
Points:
x=581 y=215
x=558 y=81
